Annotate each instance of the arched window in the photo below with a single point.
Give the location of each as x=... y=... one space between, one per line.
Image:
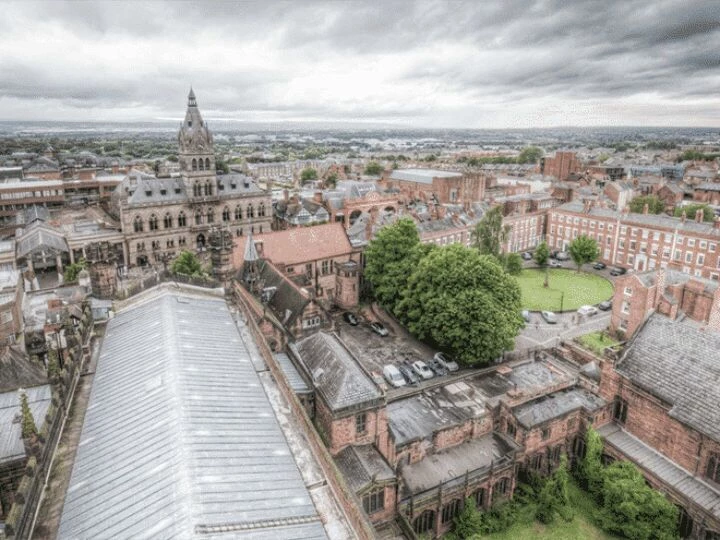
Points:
x=238 y=213
x=210 y=215
x=208 y=188
x=138 y=224
x=194 y=164
x=450 y=510
x=479 y=497
x=167 y=221
x=250 y=212
x=226 y=214
x=261 y=210
x=196 y=190
x=201 y=165
x=198 y=217
x=207 y=164
x=182 y=220
x=153 y=223
x=424 y=522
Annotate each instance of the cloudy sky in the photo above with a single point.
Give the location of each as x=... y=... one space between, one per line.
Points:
x=428 y=64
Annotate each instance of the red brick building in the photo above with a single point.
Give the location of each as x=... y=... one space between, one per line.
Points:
x=561 y=166
x=439 y=186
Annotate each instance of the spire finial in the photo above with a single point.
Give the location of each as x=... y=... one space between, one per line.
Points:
x=191 y=98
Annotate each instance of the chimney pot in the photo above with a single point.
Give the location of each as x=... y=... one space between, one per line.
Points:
x=683 y=218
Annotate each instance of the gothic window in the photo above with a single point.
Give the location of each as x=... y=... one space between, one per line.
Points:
x=196 y=190
x=138 y=224
x=374 y=501
x=210 y=215
x=201 y=164
x=194 y=164
x=182 y=220
x=479 y=497
x=500 y=488
x=250 y=212
x=207 y=164
x=168 y=221
x=325 y=267
x=198 y=218
x=620 y=409
x=424 y=522
x=261 y=210
x=545 y=433
x=208 y=188
x=226 y=214
x=140 y=247
x=536 y=462
x=181 y=241
x=238 y=213
x=260 y=229
x=153 y=223
x=712 y=471
x=450 y=510
x=238 y=232
x=360 y=423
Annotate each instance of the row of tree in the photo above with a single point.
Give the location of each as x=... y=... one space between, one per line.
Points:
x=453 y=297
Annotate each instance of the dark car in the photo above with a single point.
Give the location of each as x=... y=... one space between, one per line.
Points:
x=617 y=271
x=407 y=372
x=599 y=266
x=437 y=367
x=350 y=318
x=605 y=306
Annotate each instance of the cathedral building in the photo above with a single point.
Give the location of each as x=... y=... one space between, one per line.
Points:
x=160 y=217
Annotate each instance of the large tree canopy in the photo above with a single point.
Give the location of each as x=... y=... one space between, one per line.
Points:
x=390 y=258
x=373 y=168
x=583 y=250
x=530 y=154
x=692 y=209
x=490 y=234
x=464 y=302
x=655 y=205
x=187 y=263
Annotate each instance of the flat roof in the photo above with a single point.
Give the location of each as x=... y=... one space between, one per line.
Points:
x=556 y=405
x=424 y=176
x=180 y=439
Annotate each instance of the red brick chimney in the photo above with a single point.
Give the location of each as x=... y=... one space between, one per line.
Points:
x=699 y=216
x=683 y=218
x=646 y=208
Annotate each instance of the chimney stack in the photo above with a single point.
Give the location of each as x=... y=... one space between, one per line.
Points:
x=683 y=218
x=646 y=208
x=699 y=215
x=716 y=223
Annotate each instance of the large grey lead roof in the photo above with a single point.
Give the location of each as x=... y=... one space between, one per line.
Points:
x=179 y=439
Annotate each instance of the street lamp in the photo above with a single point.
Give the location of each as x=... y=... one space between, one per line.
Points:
x=562 y=297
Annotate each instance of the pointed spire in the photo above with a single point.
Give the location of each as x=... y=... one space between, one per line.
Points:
x=191 y=98
x=250 y=251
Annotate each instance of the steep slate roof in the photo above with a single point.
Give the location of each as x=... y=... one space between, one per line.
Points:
x=671 y=474
x=17 y=370
x=287 y=302
x=555 y=405
x=179 y=439
x=336 y=374
x=678 y=362
x=40 y=236
x=11 y=444
x=361 y=466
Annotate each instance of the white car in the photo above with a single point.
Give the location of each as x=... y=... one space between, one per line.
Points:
x=393 y=376
x=421 y=369
x=587 y=310
x=549 y=317
x=447 y=363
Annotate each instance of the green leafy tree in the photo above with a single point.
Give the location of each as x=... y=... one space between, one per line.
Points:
x=655 y=205
x=307 y=175
x=691 y=211
x=590 y=469
x=72 y=270
x=530 y=154
x=490 y=234
x=542 y=256
x=583 y=250
x=463 y=302
x=513 y=264
x=469 y=521
x=553 y=497
x=188 y=264
x=221 y=166
x=28 y=427
x=373 y=169
x=53 y=368
x=634 y=510
x=331 y=180
x=390 y=258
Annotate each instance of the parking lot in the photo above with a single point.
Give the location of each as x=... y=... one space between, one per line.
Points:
x=375 y=351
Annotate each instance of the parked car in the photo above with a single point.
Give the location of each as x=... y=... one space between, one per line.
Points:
x=617 y=271
x=587 y=310
x=599 y=266
x=527 y=256
x=549 y=317
x=562 y=256
x=422 y=370
x=379 y=329
x=350 y=318
x=553 y=254
x=605 y=306
x=437 y=368
x=525 y=315
x=393 y=376
x=555 y=263
x=446 y=362
x=410 y=376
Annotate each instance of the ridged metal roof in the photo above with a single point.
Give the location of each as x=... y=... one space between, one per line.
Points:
x=180 y=439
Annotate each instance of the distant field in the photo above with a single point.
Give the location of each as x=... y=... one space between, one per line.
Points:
x=576 y=289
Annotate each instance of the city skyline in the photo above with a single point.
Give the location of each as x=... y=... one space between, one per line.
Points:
x=417 y=65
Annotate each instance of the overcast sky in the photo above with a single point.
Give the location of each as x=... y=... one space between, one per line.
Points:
x=429 y=64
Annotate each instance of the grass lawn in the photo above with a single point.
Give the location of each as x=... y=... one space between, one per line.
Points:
x=576 y=289
x=580 y=528
x=596 y=342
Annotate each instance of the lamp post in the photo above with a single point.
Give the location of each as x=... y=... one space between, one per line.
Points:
x=562 y=297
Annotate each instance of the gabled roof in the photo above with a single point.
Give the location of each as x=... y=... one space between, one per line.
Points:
x=12 y=447
x=285 y=299
x=363 y=466
x=18 y=370
x=39 y=236
x=336 y=374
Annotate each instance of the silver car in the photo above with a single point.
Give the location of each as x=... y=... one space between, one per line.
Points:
x=421 y=369
x=447 y=363
x=549 y=317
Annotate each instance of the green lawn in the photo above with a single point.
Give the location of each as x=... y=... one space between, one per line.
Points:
x=576 y=289
x=596 y=342
x=580 y=528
